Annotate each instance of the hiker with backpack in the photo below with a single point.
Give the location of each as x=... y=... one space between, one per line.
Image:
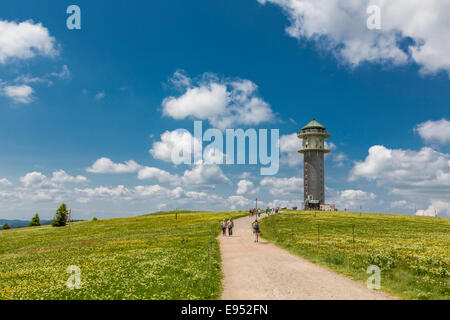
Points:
x=256 y=230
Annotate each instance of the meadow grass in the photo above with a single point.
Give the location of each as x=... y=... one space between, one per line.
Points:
x=146 y=257
x=412 y=252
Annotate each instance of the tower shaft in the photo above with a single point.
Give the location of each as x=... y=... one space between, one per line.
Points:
x=314 y=176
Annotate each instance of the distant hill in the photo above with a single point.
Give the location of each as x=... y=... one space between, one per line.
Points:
x=21 y=223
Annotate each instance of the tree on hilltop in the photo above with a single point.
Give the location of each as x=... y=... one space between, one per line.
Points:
x=6 y=226
x=61 y=216
x=35 y=221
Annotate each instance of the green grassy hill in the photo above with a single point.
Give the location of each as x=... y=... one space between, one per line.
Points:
x=146 y=257
x=412 y=252
x=157 y=257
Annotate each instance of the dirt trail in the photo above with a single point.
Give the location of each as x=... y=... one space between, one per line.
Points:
x=258 y=271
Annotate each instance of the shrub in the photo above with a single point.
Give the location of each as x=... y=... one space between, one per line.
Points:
x=35 y=221
x=6 y=226
x=94 y=219
x=61 y=216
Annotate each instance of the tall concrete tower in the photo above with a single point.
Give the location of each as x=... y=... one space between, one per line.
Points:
x=313 y=149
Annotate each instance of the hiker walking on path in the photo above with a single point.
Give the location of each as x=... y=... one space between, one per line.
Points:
x=256 y=230
x=224 y=228
x=230 y=226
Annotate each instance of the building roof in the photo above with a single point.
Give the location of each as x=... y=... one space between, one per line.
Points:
x=313 y=124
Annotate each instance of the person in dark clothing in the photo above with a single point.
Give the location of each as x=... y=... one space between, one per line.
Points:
x=230 y=226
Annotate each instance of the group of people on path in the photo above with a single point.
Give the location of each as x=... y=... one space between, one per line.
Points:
x=227 y=225
x=268 y=211
x=230 y=224
x=255 y=225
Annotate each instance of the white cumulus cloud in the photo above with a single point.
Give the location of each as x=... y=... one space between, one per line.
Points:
x=436 y=208
x=174 y=145
x=19 y=94
x=5 y=182
x=64 y=74
x=223 y=103
x=341 y=27
x=289 y=146
x=104 y=192
x=25 y=40
x=283 y=186
x=61 y=176
x=423 y=169
x=350 y=198
x=205 y=174
x=434 y=131
x=105 y=165
x=400 y=204
x=245 y=175
x=416 y=175
x=245 y=187
x=158 y=191
x=239 y=202
x=157 y=174
x=276 y=203
x=356 y=195
x=174 y=141
x=33 y=179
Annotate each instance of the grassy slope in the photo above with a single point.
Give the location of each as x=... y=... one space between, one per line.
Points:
x=147 y=257
x=412 y=252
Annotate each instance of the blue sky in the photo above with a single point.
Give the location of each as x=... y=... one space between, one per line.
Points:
x=71 y=97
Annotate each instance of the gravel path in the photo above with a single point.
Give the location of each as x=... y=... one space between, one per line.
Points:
x=258 y=271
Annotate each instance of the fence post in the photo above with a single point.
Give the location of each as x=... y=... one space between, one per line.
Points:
x=318 y=238
x=209 y=248
x=353 y=230
x=209 y=258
